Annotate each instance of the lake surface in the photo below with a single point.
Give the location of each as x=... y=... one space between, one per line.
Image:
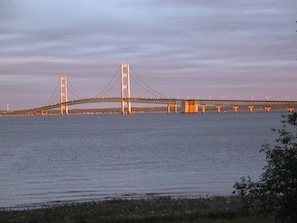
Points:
x=90 y=157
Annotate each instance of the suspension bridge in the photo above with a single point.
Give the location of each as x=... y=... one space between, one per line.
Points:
x=125 y=99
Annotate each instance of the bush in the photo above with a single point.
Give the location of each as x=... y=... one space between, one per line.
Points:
x=276 y=191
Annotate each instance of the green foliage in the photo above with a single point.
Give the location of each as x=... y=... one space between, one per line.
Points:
x=276 y=191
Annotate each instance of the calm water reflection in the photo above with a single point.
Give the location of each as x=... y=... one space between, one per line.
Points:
x=64 y=158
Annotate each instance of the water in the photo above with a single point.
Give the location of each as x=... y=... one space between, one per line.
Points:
x=75 y=158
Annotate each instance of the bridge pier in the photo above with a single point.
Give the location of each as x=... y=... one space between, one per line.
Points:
x=29 y=113
x=39 y=112
x=267 y=109
x=251 y=108
x=219 y=108
x=235 y=108
x=169 y=106
x=126 y=103
x=190 y=106
x=203 y=107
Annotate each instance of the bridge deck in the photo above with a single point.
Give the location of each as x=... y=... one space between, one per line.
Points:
x=206 y=102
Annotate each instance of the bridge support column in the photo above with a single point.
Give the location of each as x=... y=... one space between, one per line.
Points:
x=203 y=108
x=235 y=108
x=44 y=112
x=190 y=106
x=219 y=108
x=251 y=108
x=63 y=95
x=125 y=89
x=169 y=106
x=39 y=112
x=267 y=109
x=29 y=113
x=290 y=109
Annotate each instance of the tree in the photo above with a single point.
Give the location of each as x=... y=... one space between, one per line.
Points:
x=276 y=191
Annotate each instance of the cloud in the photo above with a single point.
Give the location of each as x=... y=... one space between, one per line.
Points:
x=197 y=46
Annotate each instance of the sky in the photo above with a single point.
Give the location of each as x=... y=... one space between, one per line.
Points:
x=203 y=49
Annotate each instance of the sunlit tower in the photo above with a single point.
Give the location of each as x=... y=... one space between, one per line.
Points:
x=125 y=88
x=63 y=95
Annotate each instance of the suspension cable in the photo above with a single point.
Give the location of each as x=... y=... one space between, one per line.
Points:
x=74 y=91
x=111 y=87
x=139 y=84
x=107 y=88
x=54 y=96
x=146 y=87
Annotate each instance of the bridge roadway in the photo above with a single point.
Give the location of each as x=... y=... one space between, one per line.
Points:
x=178 y=102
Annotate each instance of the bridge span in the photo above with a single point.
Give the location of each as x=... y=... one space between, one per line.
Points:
x=183 y=105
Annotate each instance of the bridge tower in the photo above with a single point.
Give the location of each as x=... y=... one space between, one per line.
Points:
x=125 y=88
x=63 y=95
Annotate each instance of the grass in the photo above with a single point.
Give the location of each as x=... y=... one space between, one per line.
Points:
x=159 y=210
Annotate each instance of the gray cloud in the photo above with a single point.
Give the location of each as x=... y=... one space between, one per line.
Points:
x=184 y=48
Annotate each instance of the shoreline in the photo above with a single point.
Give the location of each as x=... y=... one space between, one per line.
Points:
x=148 y=196
x=159 y=209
